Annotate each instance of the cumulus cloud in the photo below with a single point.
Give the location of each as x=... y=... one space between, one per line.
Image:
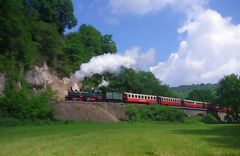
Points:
x=210 y=50
x=113 y=63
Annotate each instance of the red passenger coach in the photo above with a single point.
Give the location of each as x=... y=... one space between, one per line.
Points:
x=139 y=98
x=194 y=104
x=169 y=101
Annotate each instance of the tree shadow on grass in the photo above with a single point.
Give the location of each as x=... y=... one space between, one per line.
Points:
x=227 y=136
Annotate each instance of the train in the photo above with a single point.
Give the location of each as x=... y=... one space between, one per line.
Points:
x=126 y=97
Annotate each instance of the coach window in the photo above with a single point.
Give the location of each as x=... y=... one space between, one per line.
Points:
x=135 y=96
x=129 y=95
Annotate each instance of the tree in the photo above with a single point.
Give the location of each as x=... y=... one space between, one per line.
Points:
x=108 y=45
x=81 y=46
x=15 y=39
x=201 y=95
x=229 y=94
x=59 y=12
x=48 y=41
x=129 y=80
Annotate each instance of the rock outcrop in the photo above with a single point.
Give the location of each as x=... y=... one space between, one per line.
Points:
x=39 y=76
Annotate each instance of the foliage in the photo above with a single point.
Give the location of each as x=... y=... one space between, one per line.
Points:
x=31 y=32
x=229 y=94
x=201 y=95
x=24 y=104
x=129 y=80
x=9 y=121
x=59 y=12
x=49 y=42
x=155 y=113
x=15 y=38
x=208 y=119
x=184 y=90
x=81 y=46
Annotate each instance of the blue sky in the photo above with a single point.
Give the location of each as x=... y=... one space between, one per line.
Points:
x=157 y=26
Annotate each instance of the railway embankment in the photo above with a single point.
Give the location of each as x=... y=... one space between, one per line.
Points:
x=90 y=111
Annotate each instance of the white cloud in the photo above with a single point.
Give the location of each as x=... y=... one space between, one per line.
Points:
x=114 y=9
x=113 y=63
x=142 y=7
x=210 y=50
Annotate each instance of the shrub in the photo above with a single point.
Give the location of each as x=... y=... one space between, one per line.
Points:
x=155 y=113
x=24 y=104
x=134 y=113
x=8 y=121
x=210 y=119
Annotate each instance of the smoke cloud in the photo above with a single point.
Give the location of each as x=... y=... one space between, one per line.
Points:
x=113 y=63
x=103 y=84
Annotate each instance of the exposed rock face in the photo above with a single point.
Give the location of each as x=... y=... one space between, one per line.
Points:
x=2 y=82
x=38 y=77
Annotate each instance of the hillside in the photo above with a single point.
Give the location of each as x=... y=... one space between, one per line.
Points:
x=183 y=90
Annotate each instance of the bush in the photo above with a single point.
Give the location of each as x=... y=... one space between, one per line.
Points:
x=155 y=113
x=24 y=104
x=8 y=121
x=209 y=119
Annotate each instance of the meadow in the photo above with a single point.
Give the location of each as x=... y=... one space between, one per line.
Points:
x=121 y=139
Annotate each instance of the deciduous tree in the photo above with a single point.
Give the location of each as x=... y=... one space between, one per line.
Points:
x=229 y=94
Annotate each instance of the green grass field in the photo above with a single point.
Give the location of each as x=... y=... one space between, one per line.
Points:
x=120 y=139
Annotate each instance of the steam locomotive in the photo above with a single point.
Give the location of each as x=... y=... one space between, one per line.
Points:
x=98 y=96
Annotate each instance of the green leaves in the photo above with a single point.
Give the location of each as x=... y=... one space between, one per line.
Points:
x=81 y=46
x=129 y=80
x=154 y=113
x=58 y=12
x=201 y=95
x=229 y=94
x=24 y=104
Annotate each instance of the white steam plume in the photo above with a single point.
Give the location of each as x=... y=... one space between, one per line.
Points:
x=104 y=83
x=113 y=63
